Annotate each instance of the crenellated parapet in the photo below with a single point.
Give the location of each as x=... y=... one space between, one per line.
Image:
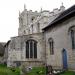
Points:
x=54 y=12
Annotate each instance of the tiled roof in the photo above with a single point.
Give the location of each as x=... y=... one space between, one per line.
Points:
x=1 y=49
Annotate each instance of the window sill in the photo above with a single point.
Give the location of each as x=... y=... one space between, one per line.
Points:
x=32 y=59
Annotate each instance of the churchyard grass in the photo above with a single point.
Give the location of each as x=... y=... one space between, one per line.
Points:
x=68 y=73
x=34 y=71
x=37 y=71
x=42 y=71
x=9 y=71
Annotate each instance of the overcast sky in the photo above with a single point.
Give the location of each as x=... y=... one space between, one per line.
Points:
x=9 y=13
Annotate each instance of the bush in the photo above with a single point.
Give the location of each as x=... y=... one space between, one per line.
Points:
x=13 y=69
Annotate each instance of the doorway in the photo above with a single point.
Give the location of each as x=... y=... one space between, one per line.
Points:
x=64 y=58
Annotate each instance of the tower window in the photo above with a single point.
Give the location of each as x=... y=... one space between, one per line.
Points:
x=32 y=28
x=38 y=27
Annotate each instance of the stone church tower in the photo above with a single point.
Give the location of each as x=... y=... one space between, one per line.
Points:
x=26 y=19
x=33 y=22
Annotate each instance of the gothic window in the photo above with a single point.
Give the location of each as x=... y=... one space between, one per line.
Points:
x=72 y=34
x=72 y=38
x=32 y=27
x=27 y=49
x=38 y=27
x=51 y=46
x=31 y=49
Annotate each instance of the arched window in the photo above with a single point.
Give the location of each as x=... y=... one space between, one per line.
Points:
x=32 y=28
x=51 y=46
x=38 y=27
x=31 y=49
x=72 y=34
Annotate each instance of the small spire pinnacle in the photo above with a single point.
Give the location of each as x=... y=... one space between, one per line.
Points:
x=41 y=9
x=24 y=6
x=19 y=13
x=62 y=4
x=62 y=7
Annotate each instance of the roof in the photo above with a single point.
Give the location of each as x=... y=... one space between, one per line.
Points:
x=62 y=17
x=1 y=49
x=7 y=43
x=3 y=43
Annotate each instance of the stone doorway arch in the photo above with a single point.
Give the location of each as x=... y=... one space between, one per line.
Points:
x=64 y=59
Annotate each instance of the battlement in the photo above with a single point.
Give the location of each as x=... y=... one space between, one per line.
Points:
x=44 y=12
x=28 y=12
x=54 y=12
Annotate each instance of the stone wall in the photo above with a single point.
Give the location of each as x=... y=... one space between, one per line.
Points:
x=17 y=51
x=62 y=39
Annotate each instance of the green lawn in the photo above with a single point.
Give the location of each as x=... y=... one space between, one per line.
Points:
x=42 y=71
x=68 y=73
x=37 y=71
x=9 y=71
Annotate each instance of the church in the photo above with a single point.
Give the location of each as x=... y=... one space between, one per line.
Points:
x=44 y=38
